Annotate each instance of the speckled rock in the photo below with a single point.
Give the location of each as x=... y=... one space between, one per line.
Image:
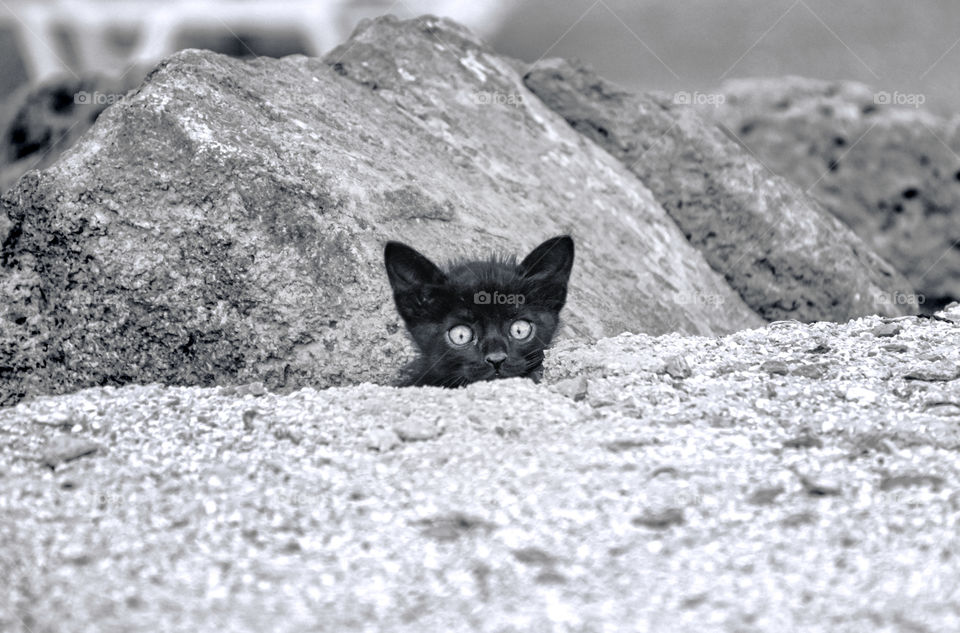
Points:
x=733 y=499
x=224 y=224
x=780 y=249
x=39 y=122
x=888 y=170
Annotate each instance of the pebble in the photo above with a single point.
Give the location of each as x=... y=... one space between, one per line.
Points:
x=775 y=368
x=382 y=440
x=659 y=519
x=65 y=448
x=934 y=372
x=573 y=388
x=677 y=367
x=417 y=429
x=885 y=330
x=861 y=395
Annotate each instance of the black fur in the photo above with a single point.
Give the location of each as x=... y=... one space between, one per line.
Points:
x=432 y=302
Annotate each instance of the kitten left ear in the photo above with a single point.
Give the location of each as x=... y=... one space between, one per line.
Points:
x=408 y=269
x=552 y=260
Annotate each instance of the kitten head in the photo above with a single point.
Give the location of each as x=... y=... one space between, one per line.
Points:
x=480 y=320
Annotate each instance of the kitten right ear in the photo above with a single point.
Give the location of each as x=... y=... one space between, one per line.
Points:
x=407 y=269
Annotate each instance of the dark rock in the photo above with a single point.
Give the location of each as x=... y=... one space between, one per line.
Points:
x=224 y=224
x=620 y=446
x=534 y=556
x=775 y=367
x=765 y=496
x=939 y=371
x=819 y=487
x=892 y=482
x=659 y=519
x=65 y=448
x=806 y=440
x=786 y=255
x=799 y=518
x=450 y=527
x=889 y=172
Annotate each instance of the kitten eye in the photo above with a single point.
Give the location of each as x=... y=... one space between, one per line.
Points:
x=521 y=330
x=460 y=335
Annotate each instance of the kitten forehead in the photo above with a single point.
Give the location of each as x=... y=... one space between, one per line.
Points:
x=492 y=274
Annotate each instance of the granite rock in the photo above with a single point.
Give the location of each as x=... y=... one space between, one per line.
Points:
x=778 y=247
x=224 y=223
x=889 y=170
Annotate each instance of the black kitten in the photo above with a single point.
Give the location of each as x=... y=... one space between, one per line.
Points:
x=479 y=320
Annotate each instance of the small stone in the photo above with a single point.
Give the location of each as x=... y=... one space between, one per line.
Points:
x=940 y=371
x=288 y=433
x=906 y=481
x=812 y=371
x=885 y=330
x=417 y=429
x=573 y=388
x=765 y=496
x=659 y=519
x=819 y=487
x=66 y=448
x=805 y=440
x=775 y=368
x=897 y=348
x=382 y=440
x=861 y=395
x=255 y=389
x=939 y=407
x=677 y=367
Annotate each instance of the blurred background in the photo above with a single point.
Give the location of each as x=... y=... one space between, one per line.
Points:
x=910 y=47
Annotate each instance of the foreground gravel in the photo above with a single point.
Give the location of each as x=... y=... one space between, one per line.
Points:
x=791 y=478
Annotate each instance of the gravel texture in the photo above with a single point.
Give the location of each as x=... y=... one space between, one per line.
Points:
x=790 y=478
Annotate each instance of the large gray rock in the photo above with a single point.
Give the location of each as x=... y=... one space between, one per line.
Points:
x=890 y=171
x=778 y=247
x=225 y=223
x=38 y=123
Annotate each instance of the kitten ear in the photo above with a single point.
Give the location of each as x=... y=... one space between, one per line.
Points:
x=407 y=269
x=551 y=261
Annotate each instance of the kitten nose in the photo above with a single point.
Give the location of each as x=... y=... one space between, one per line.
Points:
x=496 y=359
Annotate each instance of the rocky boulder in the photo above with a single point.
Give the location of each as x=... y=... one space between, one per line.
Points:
x=889 y=170
x=224 y=224
x=38 y=123
x=778 y=247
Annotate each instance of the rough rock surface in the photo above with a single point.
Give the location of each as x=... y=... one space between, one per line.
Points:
x=890 y=171
x=792 y=479
x=784 y=254
x=225 y=223
x=39 y=123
